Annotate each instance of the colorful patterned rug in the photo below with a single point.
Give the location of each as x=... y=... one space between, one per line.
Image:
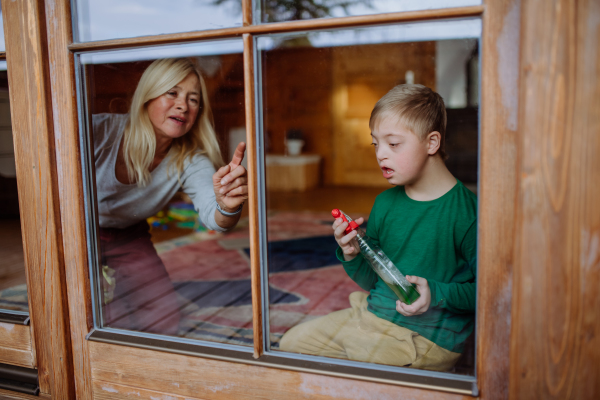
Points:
x=211 y=274
x=14 y=298
x=212 y=278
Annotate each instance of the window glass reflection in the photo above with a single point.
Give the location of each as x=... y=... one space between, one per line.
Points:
x=2 y=42
x=114 y=19
x=13 y=287
x=170 y=262
x=286 y=10
x=318 y=93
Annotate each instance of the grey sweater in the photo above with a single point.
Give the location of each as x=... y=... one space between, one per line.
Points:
x=121 y=205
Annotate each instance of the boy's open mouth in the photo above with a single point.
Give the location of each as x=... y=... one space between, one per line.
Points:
x=387 y=172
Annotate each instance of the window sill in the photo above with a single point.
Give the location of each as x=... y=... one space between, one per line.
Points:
x=466 y=385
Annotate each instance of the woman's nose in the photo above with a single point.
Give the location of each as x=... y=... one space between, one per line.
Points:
x=181 y=104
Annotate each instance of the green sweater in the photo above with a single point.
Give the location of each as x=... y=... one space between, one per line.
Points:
x=436 y=240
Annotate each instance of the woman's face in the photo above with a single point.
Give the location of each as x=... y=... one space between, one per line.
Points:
x=173 y=113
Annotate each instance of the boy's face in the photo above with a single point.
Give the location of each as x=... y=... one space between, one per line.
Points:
x=400 y=153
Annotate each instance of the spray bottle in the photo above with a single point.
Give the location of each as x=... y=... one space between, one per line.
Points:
x=379 y=261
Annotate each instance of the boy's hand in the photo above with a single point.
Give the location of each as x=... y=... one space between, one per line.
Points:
x=346 y=242
x=422 y=303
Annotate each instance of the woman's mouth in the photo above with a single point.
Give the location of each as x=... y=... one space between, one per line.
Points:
x=177 y=120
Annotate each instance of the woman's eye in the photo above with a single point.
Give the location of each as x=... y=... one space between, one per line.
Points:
x=172 y=93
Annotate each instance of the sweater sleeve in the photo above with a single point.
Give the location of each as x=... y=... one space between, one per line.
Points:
x=197 y=183
x=106 y=129
x=459 y=296
x=358 y=269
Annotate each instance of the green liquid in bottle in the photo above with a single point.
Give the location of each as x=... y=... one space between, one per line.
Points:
x=383 y=266
x=406 y=296
x=387 y=271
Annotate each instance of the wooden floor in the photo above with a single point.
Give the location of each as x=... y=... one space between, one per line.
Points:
x=12 y=267
x=351 y=200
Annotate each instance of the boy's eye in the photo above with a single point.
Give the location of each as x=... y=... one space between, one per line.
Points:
x=393 y=144
x=374 y=144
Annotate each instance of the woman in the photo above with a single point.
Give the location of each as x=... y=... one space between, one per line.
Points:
x=166 y=143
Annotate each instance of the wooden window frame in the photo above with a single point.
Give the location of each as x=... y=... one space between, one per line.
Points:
x=48 y=334
x=415 y=378
x=58 y=262
x=15 y=330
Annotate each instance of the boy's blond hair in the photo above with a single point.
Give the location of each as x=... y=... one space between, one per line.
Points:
x=418 y=108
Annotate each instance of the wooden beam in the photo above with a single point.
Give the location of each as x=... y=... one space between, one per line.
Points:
x=10 y=395
x=555 y=342
x=31 y=113
x=247 y=12
x=497 y=192
x=179 y=376
x=281 y=27
x=69 y=175
x=114 y=391
x=15 y=345
x=251 y=151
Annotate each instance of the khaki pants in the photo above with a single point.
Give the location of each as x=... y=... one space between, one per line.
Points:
x=357 y=334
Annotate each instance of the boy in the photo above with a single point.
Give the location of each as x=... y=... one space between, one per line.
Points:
x=427 y=225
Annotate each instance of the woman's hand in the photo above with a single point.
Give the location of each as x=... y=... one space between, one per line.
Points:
x=231 y=182
x=422 y=303
x=346 y=242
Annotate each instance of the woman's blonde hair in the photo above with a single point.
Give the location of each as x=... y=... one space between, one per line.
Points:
x=139 y=143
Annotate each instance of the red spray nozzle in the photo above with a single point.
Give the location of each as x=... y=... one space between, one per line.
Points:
x=336 y=213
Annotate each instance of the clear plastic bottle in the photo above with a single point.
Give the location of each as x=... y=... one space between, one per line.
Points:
x=379 y=261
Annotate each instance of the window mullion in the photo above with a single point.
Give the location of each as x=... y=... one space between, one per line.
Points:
x=251 y=151
x=70 y=179
x=247 y=12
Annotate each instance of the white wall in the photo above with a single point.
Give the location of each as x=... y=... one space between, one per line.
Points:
x=451 y=70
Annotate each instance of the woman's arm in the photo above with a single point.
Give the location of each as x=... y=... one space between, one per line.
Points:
x=226 y=222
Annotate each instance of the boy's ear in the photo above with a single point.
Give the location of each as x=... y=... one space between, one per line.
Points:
x=434 y=140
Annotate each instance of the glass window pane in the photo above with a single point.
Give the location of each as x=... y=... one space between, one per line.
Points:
x=2 y=42
x=318 y=92
x=166 y=265
x=290 y=10
x=115 y=19
x=13 y=287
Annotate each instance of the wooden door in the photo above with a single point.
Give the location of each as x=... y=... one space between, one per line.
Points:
x=538 y=213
